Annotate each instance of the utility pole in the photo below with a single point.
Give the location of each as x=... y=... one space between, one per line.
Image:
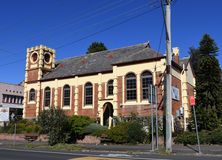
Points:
x=168 y=100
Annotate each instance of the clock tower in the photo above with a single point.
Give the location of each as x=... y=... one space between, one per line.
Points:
x=39 y=61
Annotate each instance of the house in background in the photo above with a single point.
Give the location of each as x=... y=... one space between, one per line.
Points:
x=104 y=84
x=11 y=101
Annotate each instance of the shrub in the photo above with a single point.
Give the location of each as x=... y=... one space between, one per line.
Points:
x=77 y=124
x=186 y=138
x=55 y=123
x=216 y=136
x=22 y=126
x=118 y=134
x=127 y=132
x=94 y=129
x=135 y=132
x=206 y=137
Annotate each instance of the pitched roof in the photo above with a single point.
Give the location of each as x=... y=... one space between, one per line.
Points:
x=101 y=61
x=184 y=61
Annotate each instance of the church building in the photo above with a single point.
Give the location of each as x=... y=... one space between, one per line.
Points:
x=106 y=84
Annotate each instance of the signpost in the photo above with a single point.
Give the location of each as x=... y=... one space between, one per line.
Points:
x=192 y=103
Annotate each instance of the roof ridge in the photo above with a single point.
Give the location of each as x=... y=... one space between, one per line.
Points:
x=110 y=50
x=10 y=84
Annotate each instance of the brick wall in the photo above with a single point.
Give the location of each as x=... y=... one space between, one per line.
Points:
x=176 y=104
x=73 y=100
x=41 y=100
x=80 y=100
x=95 y=110
x=103 y=90
x=119 y=92
x=141 y=110
x=59 y=97
x=32 y=75
x=30 y=110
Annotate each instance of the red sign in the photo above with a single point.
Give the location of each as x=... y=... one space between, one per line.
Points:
x=192 y=101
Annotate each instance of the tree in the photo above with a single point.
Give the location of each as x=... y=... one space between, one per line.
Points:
x=55 y=123
x=208 y=83
x=208 y=46
x=96 y=47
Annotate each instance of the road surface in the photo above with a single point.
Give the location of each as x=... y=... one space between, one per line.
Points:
x=19 y=154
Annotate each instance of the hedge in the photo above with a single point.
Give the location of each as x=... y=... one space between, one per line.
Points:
x=206 y=137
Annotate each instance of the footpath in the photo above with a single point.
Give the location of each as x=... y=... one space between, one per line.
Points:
x=215 y=150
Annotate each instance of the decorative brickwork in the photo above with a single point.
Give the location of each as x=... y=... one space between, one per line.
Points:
x=59 y=97
x=95 y=109
x=103 y=90
x=80 y=98
x=119 y=92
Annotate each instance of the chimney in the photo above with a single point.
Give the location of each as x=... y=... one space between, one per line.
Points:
x=176 y=52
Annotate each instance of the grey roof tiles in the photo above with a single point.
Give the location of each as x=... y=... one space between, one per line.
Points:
x=101 y=61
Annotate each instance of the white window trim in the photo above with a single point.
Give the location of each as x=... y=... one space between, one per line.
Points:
x=31 y=102
x=106 y=90
x=43 y=102
x=83 y=99
x=66 y=107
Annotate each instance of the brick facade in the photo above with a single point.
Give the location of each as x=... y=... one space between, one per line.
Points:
x=118 y=100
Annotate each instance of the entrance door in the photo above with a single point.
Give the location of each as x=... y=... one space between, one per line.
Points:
x=107 y=114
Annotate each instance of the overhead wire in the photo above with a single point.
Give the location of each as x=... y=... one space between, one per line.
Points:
x=106 y=21
x=92 y=34
x=105 y=29
x=86 y=15
x=80 y=18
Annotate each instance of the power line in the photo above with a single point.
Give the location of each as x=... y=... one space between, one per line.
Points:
x=13 y=62
x=86 y=15
x=77 y=19
x=105 y=29
x=125 y=14
x=90 y=35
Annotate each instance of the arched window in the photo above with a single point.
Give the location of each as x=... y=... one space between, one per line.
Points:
x=47 y=97
x=147 y=80
x=32 y=95
x=131 y=86
x=66 y=95
x=88 y=94
x=110 y=88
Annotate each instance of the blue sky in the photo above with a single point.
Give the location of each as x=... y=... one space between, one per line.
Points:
x=70 y=26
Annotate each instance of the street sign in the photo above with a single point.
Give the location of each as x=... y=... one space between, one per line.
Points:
x=192 y=101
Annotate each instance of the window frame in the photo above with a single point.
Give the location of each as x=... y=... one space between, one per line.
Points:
x=32 y=95
x=66 y=98
x=144 y=76
x=109 y=88
x=131 y=78
x=87 y=96
x=47 y=92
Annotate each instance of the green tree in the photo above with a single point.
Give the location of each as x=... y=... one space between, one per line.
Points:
x=96 y=47
x=208 y=83
x=55 y=123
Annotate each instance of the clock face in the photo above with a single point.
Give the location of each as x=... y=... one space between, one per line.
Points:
x=47 y=58
x=34 y=57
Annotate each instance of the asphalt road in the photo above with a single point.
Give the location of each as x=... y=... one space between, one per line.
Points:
x=17 y=154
